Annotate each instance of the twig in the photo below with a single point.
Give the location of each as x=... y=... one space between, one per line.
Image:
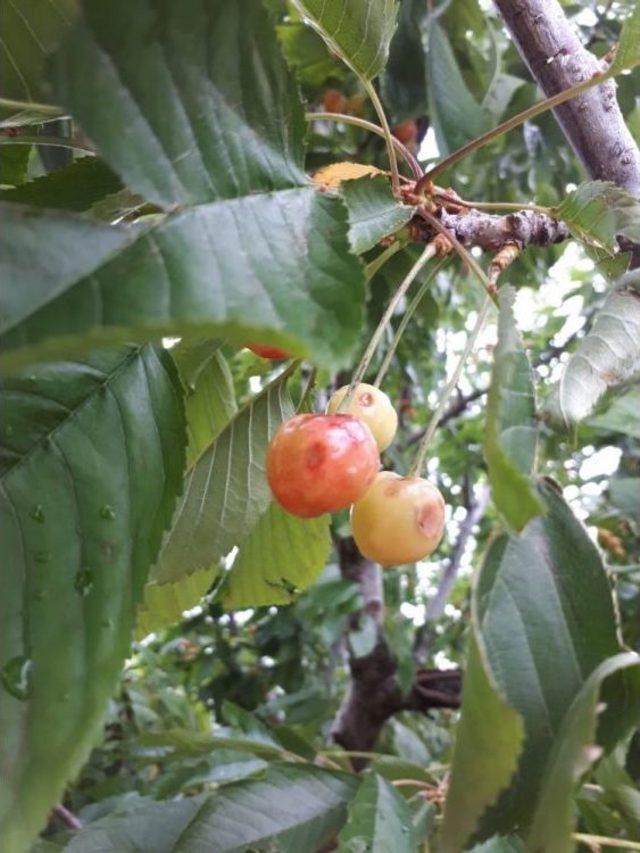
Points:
x=67 y=817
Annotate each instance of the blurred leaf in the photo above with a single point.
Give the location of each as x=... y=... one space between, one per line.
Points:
x=499 y=844
x=294 y=808
x=573 y=753
x=489 y=740
x=75 y=187
x=14 y=162
x=534 y=595
x=163 y=604
x=628 y=51
x=30 y=31
x=88 y=483
x=226 y=490
x=359 y=32
x=455 y=114
x=379 y=820
x=281 y=556
x=175 y=743
x=625 y=495
x=404 y=82
x=608 y=356
x=305 y=51
x=374 y=213
x=511 y=432
x=623 y=415
x=597 y=212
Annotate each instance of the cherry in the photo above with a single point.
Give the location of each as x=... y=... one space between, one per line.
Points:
x=321 y=463
x=373 y=407
x=334 y=101
x=406 y=132
x=399 y=520
x=267 y=351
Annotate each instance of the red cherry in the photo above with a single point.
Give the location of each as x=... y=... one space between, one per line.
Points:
x=321 y=463
x=334 y=101
x=406 y=131
x=266 y=351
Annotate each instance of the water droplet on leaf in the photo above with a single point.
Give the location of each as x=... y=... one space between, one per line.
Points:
x=107 y=512
x=37 y=513
x=16 y=677
x=84 y=582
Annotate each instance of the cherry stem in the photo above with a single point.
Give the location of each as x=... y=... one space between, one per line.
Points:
x=405 y=284
x=388 y=136
x=438 y=195
x=417 y=299
x=449 y=388
x=48 y=111
x=343 y=118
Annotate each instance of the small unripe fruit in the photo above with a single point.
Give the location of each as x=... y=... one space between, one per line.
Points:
x=334 y=101
x=267 y=351
x=406 y=132
x=373 y=407
x=399 y=520
x=321 y=463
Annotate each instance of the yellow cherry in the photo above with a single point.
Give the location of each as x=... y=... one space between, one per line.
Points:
x=373 y=407
x=399 y=519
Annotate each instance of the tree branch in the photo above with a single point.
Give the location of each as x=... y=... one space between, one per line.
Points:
x=593 y=122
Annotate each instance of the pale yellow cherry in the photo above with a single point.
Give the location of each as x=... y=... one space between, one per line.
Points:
x=399 y=519
x=373 y=407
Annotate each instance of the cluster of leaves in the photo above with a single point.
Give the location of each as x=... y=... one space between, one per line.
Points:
x=131 y=474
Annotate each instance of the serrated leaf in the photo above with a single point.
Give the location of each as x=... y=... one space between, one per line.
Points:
x=281 y=556
x=573 y=754
x=30 y=31
x=210 y=108
x=75 y=187
x=628 y=51
x=294 y=808
x=359 y=31
x=597 y=212
x=623 y=415
x=226 y=490
x=535 y=594
x=489 y=740
x=456 y=115
x=210 y=399
x=608 y=356
x=192 y=271
x=404 y=82
x=379 y=820
x=164 y=604
x=91 y=459
x=374 y=213
x=511 y=432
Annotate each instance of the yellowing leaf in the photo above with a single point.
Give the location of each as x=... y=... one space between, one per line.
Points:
x=332 y=176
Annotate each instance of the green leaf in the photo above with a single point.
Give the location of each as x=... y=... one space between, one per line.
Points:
x=164 y=604
x=226 y=490
x=75 y=187
x=573 y=754
x=285 y=253
x=625 y=495
x=210 y=401
x=623 y=415
x=608 y=356
x=359 y=32
x=597 y=212
x=404 y=82
x=628 y=51
x=379 y=820
x=210 y=108
x=456 y=115
x=535 y=594
x=305 y=51
x=186 y=742
x=294 y=808
x=281 y=556
x=14 y=162
x=511 y=433
x=91 y=459
x=30 y=31
x=374 y=213
x=489 y=740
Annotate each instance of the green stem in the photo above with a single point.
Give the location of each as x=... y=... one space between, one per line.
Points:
x=373 y=266
x=466 y=256
x=47 y=111
x=59 y=142
x=492 y=205
x=513 y=122
x=417 y=299
x=388 y=136
x=449 y=388
x=372 y=346
x=602 y=840
x=343 y=118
